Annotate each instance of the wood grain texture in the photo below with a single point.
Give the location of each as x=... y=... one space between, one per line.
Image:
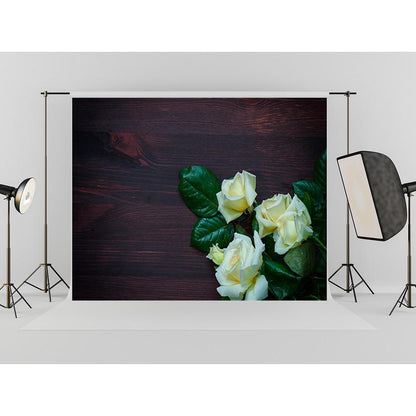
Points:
x=131 y=230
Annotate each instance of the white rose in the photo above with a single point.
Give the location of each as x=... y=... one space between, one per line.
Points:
x=269 y=212
x=236 y=195
x=238 y=274
x=216 y=254
x=293 y=227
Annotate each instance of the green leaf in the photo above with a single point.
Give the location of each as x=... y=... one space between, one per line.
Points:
x=209 y=231
x=277 y=291
x=302 y=259
x=255 y=224
x=320 y=268
x=319 y=171
x=198 y=187
x=311 y=288
x=239 y=229
x=282 y=282
x=314 y=191
x=319 y=225
x=307 y=200
x=312 y=297
x=269 y=244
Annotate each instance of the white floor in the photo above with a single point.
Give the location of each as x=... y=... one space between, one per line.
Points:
x=370 y=337
x=221 y=316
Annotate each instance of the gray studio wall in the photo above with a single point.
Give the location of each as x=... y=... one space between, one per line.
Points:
x=382 y=119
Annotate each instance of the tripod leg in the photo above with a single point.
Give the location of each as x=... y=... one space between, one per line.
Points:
x=369 y=288
x=352 y=283
x=12 y=301
x=336 y=271
x=406 y=289
x=22 y=297
x=60 y=277
x=37 y=268
x=48 y=283
x=398 y=300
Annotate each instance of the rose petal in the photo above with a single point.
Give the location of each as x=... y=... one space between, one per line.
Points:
x=249 y=187
x=299 y=208
x=228 y=214
x=236 y=185
x=234 y=292
x=259 y=290
x=279 y=247
x=266 y=227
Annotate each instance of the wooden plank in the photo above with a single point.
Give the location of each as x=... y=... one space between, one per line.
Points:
x=131 y=230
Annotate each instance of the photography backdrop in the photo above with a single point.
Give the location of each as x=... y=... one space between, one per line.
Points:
x=131 y=229
x=382 y=119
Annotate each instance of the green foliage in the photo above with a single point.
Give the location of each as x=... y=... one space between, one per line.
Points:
x=320 y=268
x=313 y=195
x=302 y=259
x=269 y=248
x=308 y=261
x=209 y=231
x=311 y=288
x=313 y=191
x=319 y=172
x=240 y=230
x=299 y=274
x=255 y=224
x=282 y=281
x=198 y=187
x=307 y=200
x=319 y=226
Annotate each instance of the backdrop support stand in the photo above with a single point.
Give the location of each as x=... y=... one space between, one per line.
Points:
x=349 y=286
x=46 y=265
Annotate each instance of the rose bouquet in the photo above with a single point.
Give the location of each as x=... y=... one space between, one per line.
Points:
x=275 y=249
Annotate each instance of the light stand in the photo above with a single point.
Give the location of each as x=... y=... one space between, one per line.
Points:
x=23 y=197
x=349 y=267
x=46 y=265
x=407 y=189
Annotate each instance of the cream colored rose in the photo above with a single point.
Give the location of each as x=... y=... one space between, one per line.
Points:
x=216 y=254
x=269 y=212
x=239 y=274
x=236 y=195
x=293 y=227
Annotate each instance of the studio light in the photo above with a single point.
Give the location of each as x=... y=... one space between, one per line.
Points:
x=377 y=202
x=23 y=198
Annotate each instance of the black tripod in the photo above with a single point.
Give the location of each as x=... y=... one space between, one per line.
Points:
x=46 y=265
x=46 y=281
x=10 y=287
x=350 y=286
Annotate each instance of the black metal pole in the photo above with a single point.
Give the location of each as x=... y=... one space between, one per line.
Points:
x=8 y=279
x=409 y=255
x=347 y=243
x=45 y=230
x=56 y=92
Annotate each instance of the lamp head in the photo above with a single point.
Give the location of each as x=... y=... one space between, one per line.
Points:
x=24 y=194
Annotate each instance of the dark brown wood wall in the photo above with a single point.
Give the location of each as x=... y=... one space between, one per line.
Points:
x=131 y=230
